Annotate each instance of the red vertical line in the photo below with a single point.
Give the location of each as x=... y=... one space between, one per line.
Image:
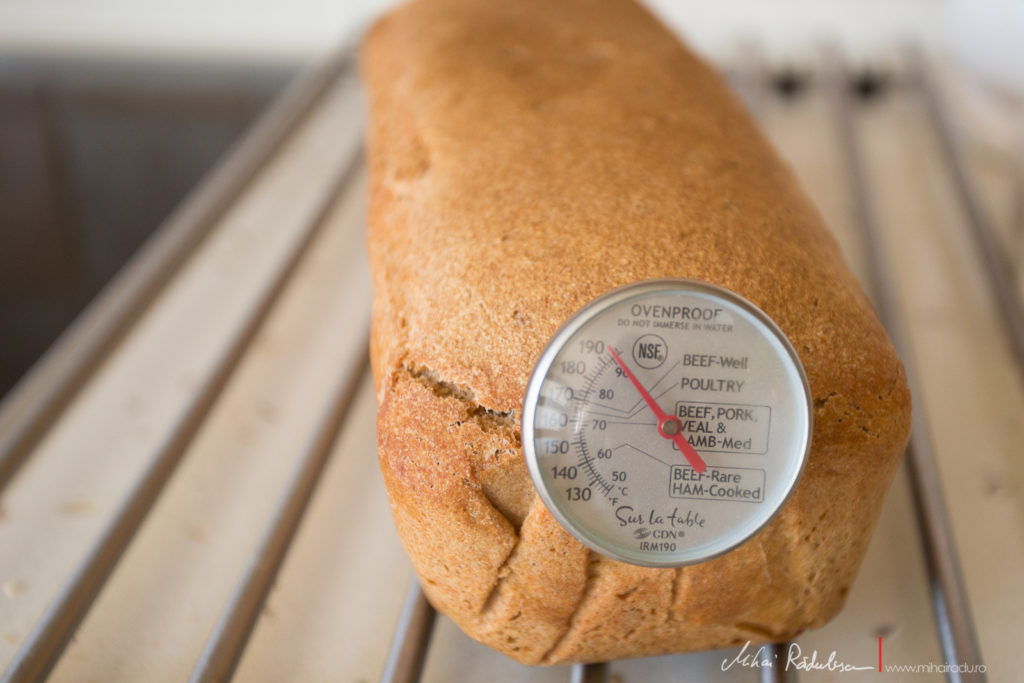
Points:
x=879 y=654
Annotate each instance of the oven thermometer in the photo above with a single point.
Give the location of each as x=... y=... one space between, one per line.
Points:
x=667 y=422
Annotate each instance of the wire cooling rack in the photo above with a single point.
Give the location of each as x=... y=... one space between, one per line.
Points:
x=188 y=485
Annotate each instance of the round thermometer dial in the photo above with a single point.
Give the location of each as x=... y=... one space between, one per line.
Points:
x=667 y=422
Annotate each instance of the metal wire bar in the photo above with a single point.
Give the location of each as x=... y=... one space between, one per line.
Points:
x=228 y=640
x=412 y=637
x=589 y=673
x=995 y=256
x=49 y=637
x=749 y=83
x=749 y=75
x=1017 y=248
x=39 y=398
x=778 y=671
x=949 y=597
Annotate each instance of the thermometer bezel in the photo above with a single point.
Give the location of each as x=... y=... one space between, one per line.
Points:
x=565 y=334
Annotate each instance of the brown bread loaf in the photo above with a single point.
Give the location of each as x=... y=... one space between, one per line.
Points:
x=525 y=157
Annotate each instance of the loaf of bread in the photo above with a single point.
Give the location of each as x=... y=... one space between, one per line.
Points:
x=525 y=157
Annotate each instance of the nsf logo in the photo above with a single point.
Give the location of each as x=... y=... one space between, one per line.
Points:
x=650 y=351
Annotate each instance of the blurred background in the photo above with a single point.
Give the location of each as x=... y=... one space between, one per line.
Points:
x=111 y=110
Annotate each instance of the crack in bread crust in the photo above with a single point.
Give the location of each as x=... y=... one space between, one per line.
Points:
x=677 y=577
x=503 y=425
x=587 y=589
x=500 y=577
x=442 y=388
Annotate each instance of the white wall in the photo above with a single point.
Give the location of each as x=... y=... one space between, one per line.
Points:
x=229 y=29
x=987 y=34
x=301 y=27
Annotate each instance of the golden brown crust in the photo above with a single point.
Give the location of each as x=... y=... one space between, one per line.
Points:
x=526 y=157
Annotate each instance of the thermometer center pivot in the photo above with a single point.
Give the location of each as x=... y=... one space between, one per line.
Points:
x=670 y=426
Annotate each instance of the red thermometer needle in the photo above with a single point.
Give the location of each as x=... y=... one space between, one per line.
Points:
x=669 y=426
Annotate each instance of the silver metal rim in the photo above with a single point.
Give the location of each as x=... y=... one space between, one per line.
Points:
x=582 y=317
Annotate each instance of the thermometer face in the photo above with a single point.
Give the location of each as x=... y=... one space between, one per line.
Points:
x=667 y=422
